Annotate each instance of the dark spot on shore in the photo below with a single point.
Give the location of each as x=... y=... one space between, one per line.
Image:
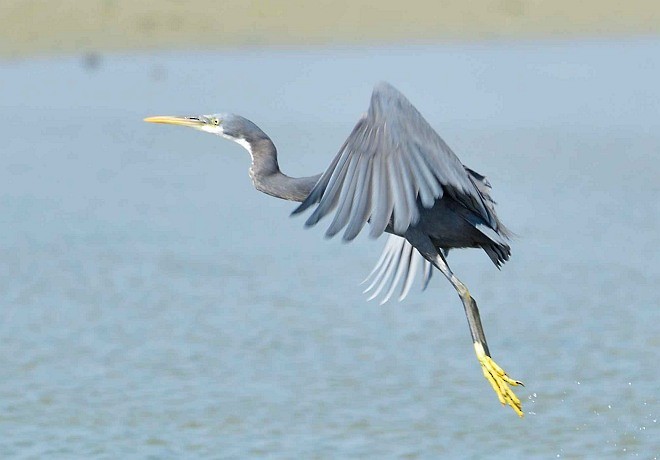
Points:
x=91 y=61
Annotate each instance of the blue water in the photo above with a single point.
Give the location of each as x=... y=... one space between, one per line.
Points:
x=155 y=306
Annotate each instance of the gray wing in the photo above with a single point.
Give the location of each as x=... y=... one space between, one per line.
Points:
x=391 y=164
x=398 y=265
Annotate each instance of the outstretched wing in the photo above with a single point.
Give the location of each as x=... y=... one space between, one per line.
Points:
x=392 y=163
x=399 y=262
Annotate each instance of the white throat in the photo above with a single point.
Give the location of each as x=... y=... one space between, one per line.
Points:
x=243 y=143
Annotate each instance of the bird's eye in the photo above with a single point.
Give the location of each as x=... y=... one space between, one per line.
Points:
x=215 y=121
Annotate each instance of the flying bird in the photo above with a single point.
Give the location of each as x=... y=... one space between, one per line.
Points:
x=396 y=174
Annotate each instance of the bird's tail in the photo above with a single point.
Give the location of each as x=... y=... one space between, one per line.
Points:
x=498 y=250
x=498 y=253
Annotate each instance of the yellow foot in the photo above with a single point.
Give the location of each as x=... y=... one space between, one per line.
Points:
x=499 y=380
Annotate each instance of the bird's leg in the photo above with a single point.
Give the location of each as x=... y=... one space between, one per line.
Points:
x=497 y=378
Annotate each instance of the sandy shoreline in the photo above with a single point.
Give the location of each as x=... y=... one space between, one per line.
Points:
x=33 y=27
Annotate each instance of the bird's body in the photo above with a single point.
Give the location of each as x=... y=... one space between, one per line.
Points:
x=395 y=173
x=449 y=226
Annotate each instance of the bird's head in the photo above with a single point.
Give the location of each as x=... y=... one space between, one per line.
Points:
x=230 y=126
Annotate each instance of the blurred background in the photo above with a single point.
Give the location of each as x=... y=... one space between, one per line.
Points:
x=68 y=26
x=154 y=305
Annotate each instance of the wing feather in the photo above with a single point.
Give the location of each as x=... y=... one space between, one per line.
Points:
x=429 y=188
x=381 y=266
x=387 y=271
x=410 y=190
x=344 y=203
x=362 y=202
x=398 y=261
x=382 y=200
x=402 y=268
x=410 y=276
x=408 y=167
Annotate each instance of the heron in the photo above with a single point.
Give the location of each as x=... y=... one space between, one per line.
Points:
x=396 y=174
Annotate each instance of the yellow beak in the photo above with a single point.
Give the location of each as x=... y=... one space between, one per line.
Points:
x=193 y=122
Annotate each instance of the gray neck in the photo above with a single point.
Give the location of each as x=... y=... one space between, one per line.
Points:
x=267 y=177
